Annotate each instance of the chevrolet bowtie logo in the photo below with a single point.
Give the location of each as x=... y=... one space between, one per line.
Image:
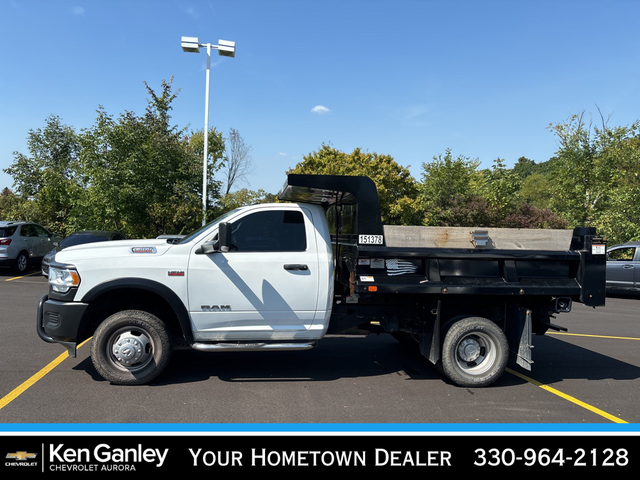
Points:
x=21 y=455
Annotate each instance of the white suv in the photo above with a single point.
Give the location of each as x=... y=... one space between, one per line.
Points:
x=24 y=243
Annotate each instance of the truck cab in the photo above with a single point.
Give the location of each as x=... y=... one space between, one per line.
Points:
x=268 y=277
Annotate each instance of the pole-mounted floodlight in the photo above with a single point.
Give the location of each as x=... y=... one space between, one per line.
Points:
x=225 y=48
x=190 y=44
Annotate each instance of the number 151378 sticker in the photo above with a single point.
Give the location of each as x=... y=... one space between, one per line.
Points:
x=370 y=239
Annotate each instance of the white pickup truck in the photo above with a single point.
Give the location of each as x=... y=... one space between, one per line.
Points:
x=282 y=276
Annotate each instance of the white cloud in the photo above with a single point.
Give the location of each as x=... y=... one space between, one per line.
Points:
x=320 y=109
x=192 y=13
x=417 y=115
x=416 y=111
x=78 y=11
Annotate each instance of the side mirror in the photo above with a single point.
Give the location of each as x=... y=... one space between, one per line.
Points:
x=207 y=248
x=224 y=237
x=220 y=244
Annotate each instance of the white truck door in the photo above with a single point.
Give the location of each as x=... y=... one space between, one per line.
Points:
x=266 y=287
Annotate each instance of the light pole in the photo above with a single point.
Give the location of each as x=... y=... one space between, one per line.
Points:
x=226 y=49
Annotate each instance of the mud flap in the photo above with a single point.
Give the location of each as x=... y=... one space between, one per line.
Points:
x=430 y=339
x=520 y=337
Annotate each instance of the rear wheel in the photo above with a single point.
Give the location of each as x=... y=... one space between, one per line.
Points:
x=21 y=263
x=131 y=347
x=474 y=352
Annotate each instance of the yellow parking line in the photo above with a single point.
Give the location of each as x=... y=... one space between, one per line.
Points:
x=568 y=397
x=594 y=336
x=22 y=276
x=7 y=399
x=571 y=399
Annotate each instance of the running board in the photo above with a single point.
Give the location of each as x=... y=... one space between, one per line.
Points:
x=251 y=347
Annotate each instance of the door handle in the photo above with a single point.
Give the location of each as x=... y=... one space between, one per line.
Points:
x=627 y=267
x=295 y=266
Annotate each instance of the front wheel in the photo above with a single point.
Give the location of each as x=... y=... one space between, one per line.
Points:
x=474 y=352
x=131 y=347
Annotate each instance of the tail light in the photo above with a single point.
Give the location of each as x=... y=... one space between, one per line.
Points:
x=5 y=241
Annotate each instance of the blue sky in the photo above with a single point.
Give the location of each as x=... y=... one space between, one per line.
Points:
x=405 y=78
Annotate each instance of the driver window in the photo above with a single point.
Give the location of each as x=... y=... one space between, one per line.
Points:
x=270 y=231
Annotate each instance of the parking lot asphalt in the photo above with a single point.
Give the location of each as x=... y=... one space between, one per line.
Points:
x=589 y=375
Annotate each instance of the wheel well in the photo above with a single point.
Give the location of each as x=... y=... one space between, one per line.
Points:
x=114 y=300
x=494 y=312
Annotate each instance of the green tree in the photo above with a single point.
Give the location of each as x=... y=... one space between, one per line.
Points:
x=455 y=192
x=397 y=189
x=582 y=178
x=500 y=189
x=524 y=167
x=45 y=179
x=53 y=151
x=241 y=198
x=140 y=174
x=526 y=215
x=451 y=192
x=619 y=220
x=536 y=189
x=194 y=143
x=9 y=204
x=596 y=176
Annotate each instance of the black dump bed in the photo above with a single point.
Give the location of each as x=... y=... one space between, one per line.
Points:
x=375 y=259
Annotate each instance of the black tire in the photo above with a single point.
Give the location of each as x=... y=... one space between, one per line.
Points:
x=21 y=264
x=475 y=352
x=131 y=347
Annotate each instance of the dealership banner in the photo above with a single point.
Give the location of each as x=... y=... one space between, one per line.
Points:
x=263 y=453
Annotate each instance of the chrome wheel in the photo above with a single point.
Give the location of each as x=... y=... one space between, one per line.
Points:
x=474 y=352
x=131 y=347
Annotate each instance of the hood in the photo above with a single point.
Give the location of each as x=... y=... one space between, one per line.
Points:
x=119 y=248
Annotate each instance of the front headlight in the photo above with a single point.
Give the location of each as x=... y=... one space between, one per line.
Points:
x=62 y=279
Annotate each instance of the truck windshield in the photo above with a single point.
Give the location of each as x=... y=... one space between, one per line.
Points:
x=193 y=235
